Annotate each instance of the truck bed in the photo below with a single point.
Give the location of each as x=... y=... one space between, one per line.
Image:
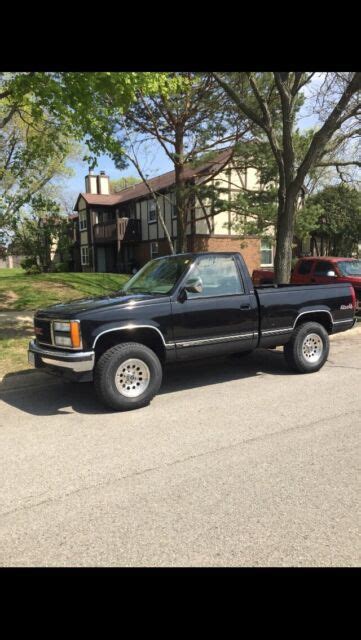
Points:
x=282 y=305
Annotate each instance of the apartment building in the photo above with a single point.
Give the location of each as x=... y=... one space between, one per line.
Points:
x=117 y=232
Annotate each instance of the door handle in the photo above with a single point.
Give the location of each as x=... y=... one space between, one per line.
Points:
x=245 y=307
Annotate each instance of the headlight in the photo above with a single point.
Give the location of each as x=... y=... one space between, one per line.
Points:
x=63 y=341
x=67 y=334
x=62 y=326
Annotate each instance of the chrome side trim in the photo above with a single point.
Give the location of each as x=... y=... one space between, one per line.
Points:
x=344 y=321
x=275 y=332
x=206 y=341
x=313 y=311
x=168 y=345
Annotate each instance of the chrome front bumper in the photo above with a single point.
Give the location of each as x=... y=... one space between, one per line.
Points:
x=79 y=362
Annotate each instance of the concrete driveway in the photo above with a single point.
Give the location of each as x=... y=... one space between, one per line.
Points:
x=235 y=463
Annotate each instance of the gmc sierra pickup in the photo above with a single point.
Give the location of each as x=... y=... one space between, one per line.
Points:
x=182 y=307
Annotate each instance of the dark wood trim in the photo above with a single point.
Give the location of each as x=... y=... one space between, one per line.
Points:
x=229 y=171
x=157 y=220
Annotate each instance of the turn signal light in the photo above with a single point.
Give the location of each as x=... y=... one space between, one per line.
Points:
x=75 y=334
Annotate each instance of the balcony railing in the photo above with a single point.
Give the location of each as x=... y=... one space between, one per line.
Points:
x=122 y=230
x=106 y=232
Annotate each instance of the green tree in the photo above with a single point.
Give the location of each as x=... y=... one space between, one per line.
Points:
x=41 y=113
x=122 y=183
x=187 y=123
x=31 y=157
x=39 y=232
x=270 y=103
x=336 y=212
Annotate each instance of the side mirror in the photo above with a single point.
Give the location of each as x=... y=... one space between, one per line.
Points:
x=194 y=285
x=331 y=274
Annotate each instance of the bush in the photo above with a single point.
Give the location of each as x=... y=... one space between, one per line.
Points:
x=33 y=270
x=60 y=267
x=27 y=263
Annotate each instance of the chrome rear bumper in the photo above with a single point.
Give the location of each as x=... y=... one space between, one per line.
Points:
x=75 y=361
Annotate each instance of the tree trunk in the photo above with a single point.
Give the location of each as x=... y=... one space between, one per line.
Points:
x=181 y=243
x=284 y=236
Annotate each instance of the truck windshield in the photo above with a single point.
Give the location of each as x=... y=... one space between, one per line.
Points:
x=350 y=268
x=158 y=276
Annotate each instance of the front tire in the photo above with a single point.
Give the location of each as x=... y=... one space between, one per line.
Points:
x=308 y=349
x=127 y=376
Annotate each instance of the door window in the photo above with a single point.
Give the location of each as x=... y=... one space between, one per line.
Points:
x=322 y=267
x=305 y=267
x=219 y=277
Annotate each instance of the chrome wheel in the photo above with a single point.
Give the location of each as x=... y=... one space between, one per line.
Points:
x=132 y=378
x=312 y=348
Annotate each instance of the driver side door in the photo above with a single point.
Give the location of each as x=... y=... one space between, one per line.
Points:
x=221 y=318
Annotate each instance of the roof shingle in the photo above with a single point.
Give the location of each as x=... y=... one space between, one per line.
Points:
x=158 y=184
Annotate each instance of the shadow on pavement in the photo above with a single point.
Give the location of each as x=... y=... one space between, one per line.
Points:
x=38 y=393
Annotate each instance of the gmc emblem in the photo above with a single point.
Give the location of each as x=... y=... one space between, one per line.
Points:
x=38 y=331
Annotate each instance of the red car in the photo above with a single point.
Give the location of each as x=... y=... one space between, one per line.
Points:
x=319 y=270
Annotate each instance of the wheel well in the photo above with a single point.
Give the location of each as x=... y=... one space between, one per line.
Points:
x=149 y=337
x=321 y=317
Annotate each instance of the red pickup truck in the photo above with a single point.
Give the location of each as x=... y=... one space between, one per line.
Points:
x=319 y=270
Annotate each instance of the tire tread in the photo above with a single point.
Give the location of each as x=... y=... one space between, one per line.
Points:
x=102 y=386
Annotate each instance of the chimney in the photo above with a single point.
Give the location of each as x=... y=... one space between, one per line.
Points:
x=103 y=183
x=91 y=185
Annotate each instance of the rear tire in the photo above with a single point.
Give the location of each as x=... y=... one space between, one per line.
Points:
x=308 y=349
x=127 y=376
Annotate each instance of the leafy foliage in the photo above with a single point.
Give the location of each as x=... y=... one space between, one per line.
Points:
x=123 y=183
x=336 y=215
x=40 y=231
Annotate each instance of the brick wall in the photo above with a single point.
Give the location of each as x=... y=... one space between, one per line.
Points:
x=250 y=248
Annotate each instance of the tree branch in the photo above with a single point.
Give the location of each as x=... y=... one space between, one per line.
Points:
x=332 y=123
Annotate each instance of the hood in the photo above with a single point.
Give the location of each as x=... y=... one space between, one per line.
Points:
x=75 y=308
x=354 y=280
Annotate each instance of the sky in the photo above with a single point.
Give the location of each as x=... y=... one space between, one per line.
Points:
x=157 y=164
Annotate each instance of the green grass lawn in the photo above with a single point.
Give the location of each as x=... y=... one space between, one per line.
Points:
x=19 y=292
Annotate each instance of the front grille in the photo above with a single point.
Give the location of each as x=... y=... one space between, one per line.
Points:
x=42 y=331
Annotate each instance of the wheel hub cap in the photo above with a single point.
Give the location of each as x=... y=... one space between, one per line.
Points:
x=132 y=377
x=312 y=348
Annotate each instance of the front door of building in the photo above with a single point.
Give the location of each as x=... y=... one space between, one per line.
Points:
x=101 y=260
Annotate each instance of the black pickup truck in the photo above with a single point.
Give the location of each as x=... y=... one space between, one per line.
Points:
x=181 y=307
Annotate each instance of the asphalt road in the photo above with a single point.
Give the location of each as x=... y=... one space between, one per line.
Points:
x=235 y=463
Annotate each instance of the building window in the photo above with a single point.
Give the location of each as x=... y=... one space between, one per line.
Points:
x=173 y=206
x=84 y=256
x=154 y=249
x=152 y=212
x=82 y=221
x=266 y=253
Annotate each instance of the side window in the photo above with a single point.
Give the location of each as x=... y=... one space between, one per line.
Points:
x=219 y=277
x=305 y=267
x=322 y=267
